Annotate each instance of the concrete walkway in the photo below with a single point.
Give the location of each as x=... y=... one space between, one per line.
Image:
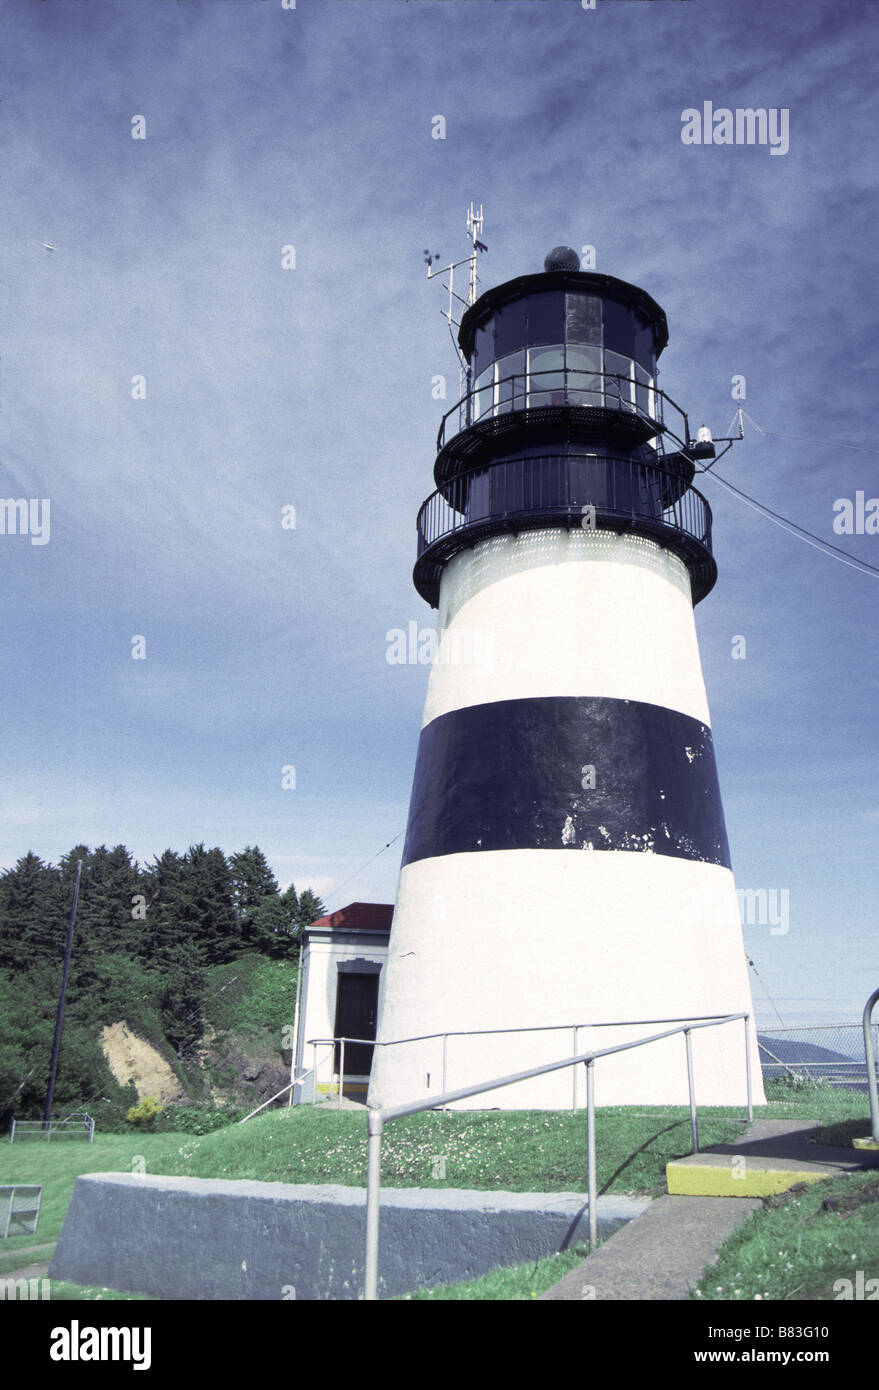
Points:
x=36 y=1267
x=663 y=1253
x=45 y=1249
x=660 y=1254
x=26 y=1272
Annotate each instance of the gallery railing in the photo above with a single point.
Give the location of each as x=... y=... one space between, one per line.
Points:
x=588 y=491
x=570 y=387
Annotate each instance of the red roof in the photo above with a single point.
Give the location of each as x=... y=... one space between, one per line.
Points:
x=358 y=917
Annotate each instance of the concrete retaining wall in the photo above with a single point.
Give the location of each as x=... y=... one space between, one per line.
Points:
x=205 y=1238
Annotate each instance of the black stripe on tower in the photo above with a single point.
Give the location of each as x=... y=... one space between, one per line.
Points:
x=566 y=773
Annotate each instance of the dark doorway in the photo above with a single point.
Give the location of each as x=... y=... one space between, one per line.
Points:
x=356 y=1014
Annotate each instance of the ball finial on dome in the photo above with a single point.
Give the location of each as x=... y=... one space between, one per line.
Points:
x=562 y=258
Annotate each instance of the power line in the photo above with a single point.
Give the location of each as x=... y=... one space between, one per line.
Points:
x=368 y=862
x=768 y=995
x=817 y=542
x=807 y=438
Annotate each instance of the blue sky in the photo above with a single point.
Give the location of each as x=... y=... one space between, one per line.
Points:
x=311 y=388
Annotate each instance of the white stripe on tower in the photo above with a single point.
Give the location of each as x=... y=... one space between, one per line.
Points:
x=578 y=612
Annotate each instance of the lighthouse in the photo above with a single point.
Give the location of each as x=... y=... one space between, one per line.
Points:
x=565 y=882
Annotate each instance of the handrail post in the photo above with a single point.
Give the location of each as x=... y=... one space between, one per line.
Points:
x=747 y=1021
x=590 y=1155
x=694 y=1124
x=12 y=1132
x=870 y=1058
x=445 y=1060
x=341 y=1072
x=375 y=1124
x=574 y=1069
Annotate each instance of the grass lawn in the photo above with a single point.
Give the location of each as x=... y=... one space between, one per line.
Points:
x=810 y=1102
x=796 y=1249
x=517 y=1151
x=60 y=1291
x=842 y=1132
x=57 y=1165
x=512 y=1151
x=515 y=1283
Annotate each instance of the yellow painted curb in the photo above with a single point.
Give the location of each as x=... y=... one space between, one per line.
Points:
x=868 y=1143
x=705 y=1180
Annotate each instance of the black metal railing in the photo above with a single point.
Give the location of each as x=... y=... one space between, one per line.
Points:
x=565 y=386
x=592 y=491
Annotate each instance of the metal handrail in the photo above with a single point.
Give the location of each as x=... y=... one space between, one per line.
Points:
x=378 y=1117
x=525 y=1028
x=491 y=1032
x=319 y=1042
x=606 y=399
x=870 y=1057
x=297 y=1081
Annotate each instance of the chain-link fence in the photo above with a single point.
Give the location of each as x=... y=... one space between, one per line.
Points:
x=824 y=1061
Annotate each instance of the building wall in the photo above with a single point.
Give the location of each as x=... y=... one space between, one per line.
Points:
x=323 y=955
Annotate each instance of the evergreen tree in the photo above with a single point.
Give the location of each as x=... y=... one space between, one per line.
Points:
x=210 y=908
x=309 y=910
x=114 y=881
x=104 y=922
x=181 y=999
x=252 y=880
x=258 y=906
x=165 y=888
x=275 y=924
x=32 y=915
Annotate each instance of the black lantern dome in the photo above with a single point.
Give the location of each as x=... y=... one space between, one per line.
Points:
x=562 y=416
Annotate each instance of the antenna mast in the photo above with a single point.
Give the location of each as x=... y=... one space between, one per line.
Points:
x=474 y=229
x=474 y=226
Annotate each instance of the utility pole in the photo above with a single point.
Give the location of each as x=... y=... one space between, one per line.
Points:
x=59 y=1021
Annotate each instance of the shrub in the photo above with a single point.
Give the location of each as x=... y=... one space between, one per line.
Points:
x=197 y=1119
x=144 y=1115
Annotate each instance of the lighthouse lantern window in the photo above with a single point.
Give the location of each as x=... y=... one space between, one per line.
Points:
x=546 y=320
x=620 y=328
x=619 y=383
x=483 y=348
x=483 y=398
x=643 y=392
x=546 y=376
x=507 y=329
x=563 y=374
x=583 y=366
x=511 y=382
